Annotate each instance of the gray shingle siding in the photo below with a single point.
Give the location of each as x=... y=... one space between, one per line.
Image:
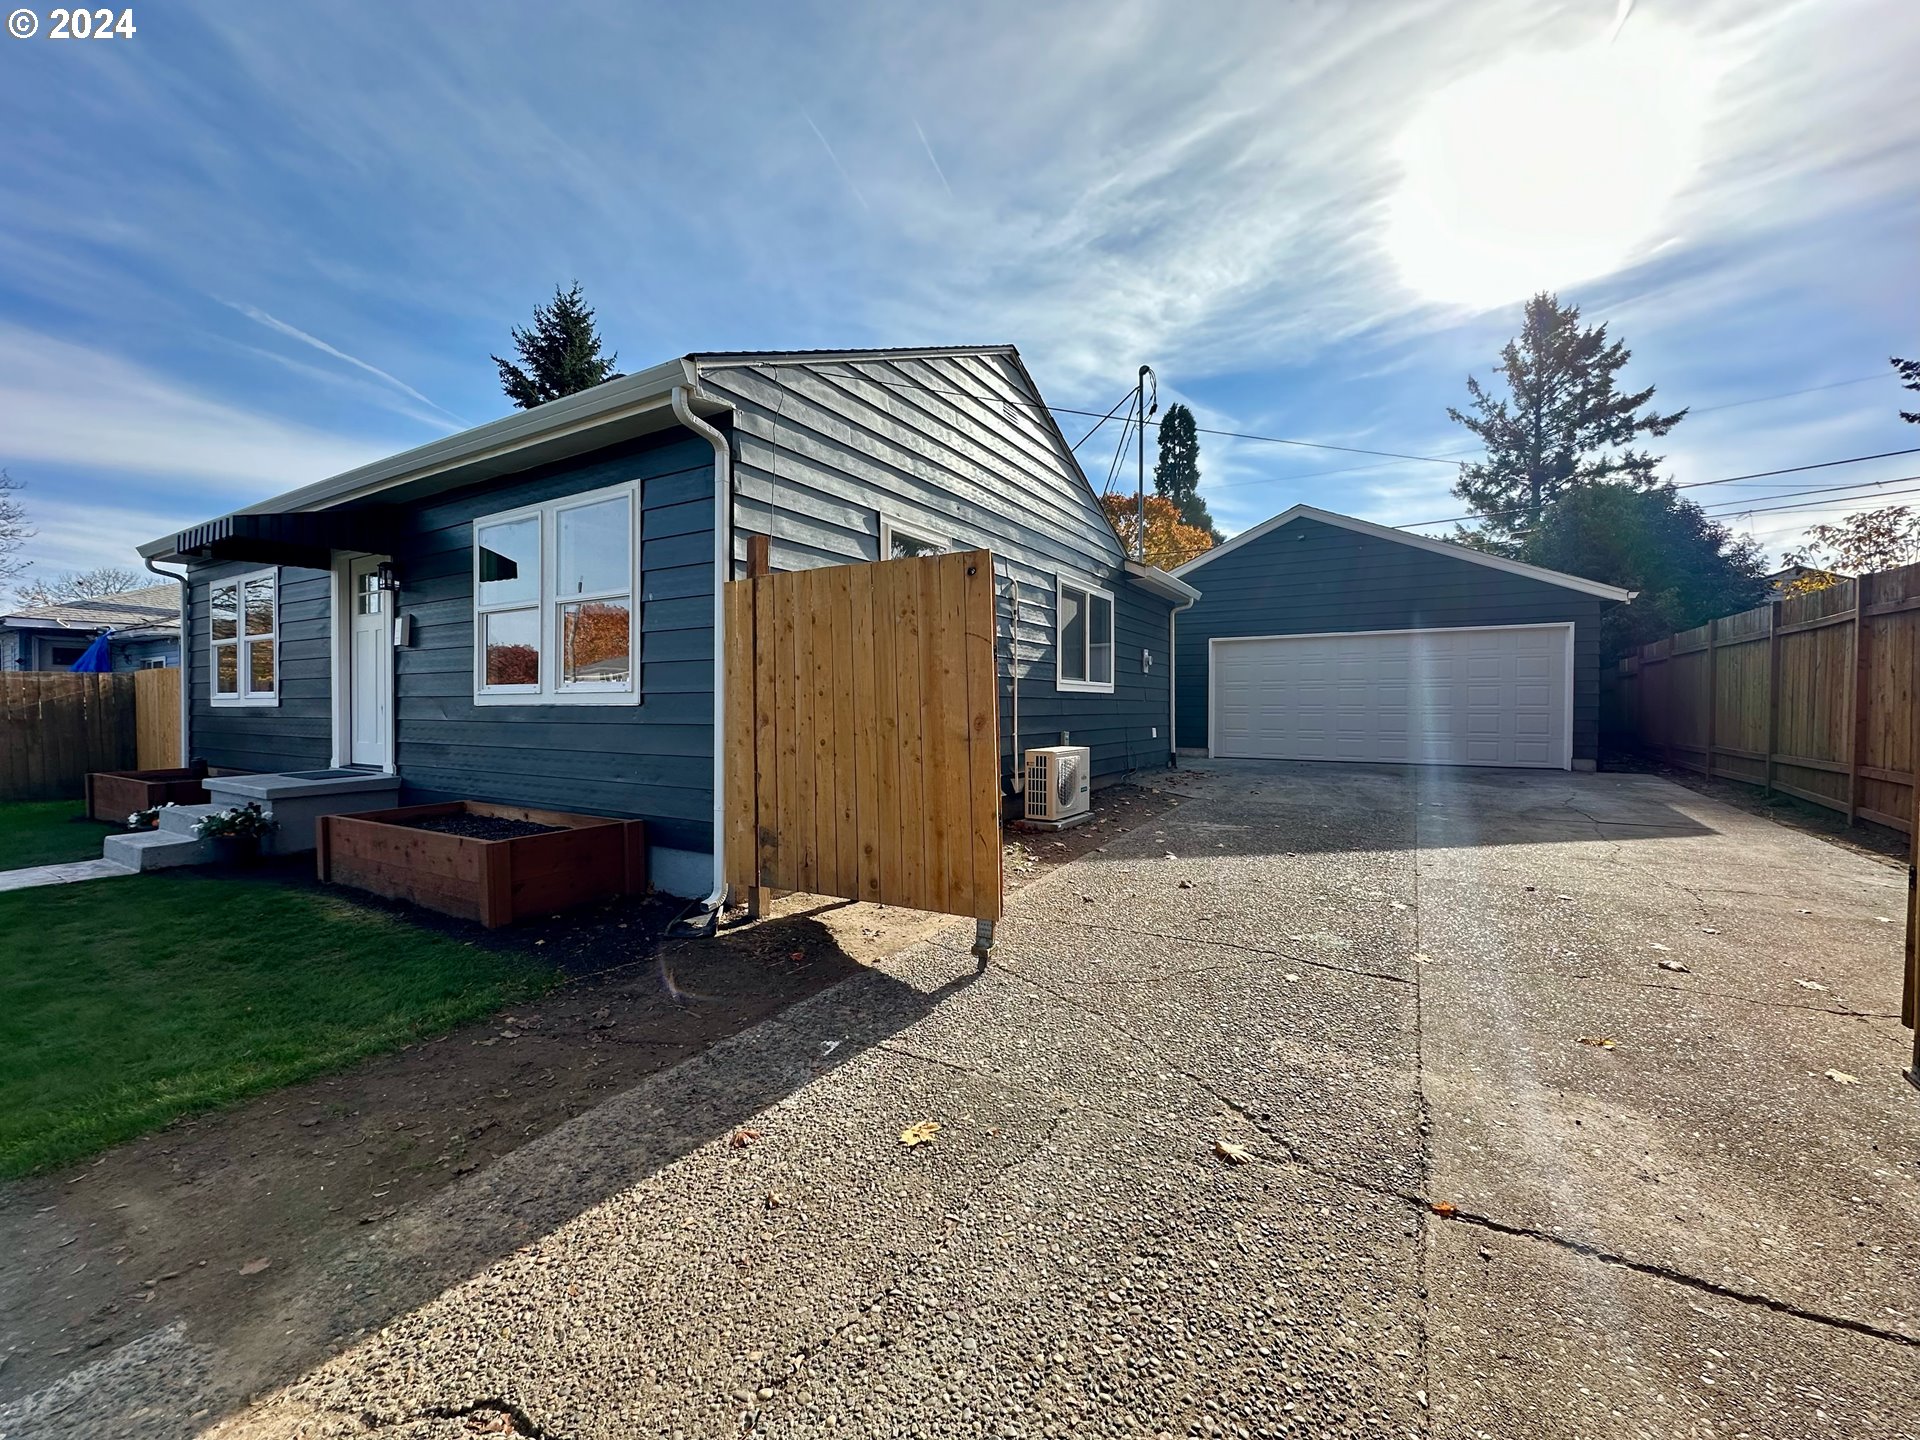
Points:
x=958 y=448
x=296 y=734
x=652 y=761
x=1308 y=577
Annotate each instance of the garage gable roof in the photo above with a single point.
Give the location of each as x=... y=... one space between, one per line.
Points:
x=1417 y=542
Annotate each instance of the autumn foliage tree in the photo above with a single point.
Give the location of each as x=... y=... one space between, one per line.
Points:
x=1170 y=540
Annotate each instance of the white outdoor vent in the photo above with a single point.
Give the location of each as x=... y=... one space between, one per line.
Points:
x=1056 y=790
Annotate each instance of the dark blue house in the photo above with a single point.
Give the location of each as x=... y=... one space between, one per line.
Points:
x=1322 y=637
x=526 y=612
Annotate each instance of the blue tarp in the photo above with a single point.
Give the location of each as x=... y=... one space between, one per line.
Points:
x=99 y=657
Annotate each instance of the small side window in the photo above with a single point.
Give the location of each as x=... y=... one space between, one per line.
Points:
x=243 y=639
x=1083 y=638
x=906 y=542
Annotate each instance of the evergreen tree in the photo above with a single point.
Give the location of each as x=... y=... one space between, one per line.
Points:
x=1685 y=567
x=1563 y=422
x=560 y=354
x=1909 y=372
x=1176 y=474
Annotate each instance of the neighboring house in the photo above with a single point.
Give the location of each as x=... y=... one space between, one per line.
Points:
x=1799 y=579
x=1322 y=637
x=553 y=576
x=145 y=625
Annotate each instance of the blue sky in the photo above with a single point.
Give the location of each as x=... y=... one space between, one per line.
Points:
x=256 y=244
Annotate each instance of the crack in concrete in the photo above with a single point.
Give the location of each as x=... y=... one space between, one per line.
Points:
x=1585 y=975
x=522 y=1423
x=1588 y=1251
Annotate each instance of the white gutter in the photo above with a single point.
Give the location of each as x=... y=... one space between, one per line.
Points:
x=186 y=661
x=722 y=572
x=1167 y=587
x=1173 y=680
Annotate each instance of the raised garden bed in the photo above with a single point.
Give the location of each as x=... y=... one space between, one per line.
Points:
x=442 y=857
x=113 y=795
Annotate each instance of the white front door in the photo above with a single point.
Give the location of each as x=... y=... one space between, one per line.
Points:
x=369 y=668
x=1502 y=695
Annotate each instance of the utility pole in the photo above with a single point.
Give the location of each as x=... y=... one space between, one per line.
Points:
x=1143 y=410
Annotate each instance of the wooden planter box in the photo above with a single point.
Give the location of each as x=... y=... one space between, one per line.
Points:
x=493 y=881
x=112 y=795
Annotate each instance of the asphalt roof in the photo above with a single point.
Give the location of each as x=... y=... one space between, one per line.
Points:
x=152 y=607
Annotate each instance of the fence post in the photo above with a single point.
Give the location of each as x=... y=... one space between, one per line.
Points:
x=1713 y=689
x=1856 y=699
x=1773 y=687
x=759 y=564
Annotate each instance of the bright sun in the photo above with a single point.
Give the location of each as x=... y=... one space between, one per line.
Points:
x=1544 y=170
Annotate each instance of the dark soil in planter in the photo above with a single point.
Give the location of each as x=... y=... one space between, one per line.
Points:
x=480 y=827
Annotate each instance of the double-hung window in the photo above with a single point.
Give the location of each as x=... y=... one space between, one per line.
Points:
x=554 y=587
x=243 y=638
x=1083 y=638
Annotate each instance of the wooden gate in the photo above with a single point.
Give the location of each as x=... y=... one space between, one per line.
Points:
x=863 y=734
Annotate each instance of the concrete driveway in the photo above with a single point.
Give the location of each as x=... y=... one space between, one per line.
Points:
x=1529 y=1076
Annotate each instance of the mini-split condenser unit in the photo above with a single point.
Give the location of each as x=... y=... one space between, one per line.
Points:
x=1056 y=790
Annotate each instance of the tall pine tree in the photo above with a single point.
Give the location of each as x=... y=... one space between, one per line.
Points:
x=1176 y=473
x=1909 y=373
x=1562 y=423
x=559 y=355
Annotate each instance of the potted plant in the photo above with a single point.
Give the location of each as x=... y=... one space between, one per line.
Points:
x=236 y=832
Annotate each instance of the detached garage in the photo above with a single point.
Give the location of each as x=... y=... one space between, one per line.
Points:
x=1322 y=637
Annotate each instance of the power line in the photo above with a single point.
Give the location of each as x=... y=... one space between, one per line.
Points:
x=1735 y=506
x=1861 y=500
x=1689 y=485
x=1126 y=427
x=1101 y=421
x=1784 y=394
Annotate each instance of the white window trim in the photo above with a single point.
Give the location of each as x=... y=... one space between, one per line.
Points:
x=1061 y=584
x=248 y=698
x=889 y=527
x=549 y=607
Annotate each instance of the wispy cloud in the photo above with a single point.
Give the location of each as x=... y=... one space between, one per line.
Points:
x=932 y=159
x=836 y=161
x=261 y=317
x=79 y=408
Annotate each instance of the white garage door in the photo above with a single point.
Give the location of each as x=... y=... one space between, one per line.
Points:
x=1496 y=696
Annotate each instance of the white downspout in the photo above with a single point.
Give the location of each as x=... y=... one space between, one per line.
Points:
x=186 y=658
x=1173 y=684
x=722 y=572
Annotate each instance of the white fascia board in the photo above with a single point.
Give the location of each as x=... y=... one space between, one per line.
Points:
x=1417 y=542
x=1162 y=582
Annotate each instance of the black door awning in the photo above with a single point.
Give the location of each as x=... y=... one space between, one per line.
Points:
x=306 y=539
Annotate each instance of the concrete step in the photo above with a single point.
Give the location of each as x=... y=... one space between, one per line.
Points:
x=180 y=819
x=158 y=850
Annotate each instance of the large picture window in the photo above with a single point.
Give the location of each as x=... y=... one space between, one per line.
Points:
x=243 y=638
x=554 y=589
x=1083 y=638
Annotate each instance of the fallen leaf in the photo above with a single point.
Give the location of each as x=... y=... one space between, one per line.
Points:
x=921 y=1133
x=775 y=1199
x=1231 y=1153
x=797 y=955
x=1422 y=958
x=1709 y=930
x=254 y=1267
x=1563 y=897
x=1656 y=945
x=1841 y=1077
x=1675 y=966
x=1883 y=919
x=1291 y=978
x=1809 y=984
x=741 y=1139
x=1399 y=904
x=1444 y=1208
x=1599 y=1042
x=1186 y=884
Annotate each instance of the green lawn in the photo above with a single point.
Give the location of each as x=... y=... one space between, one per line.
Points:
x=127 y=1002
x=46 y=832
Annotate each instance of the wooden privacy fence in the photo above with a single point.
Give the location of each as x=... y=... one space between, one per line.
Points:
x=1812 y=696
x=56 y=727
x=863 y=734
x=156 y=716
